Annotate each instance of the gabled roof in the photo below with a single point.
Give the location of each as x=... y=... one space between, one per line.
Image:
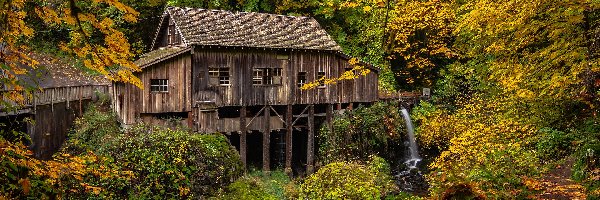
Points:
x=160 y=54
x=249 y=29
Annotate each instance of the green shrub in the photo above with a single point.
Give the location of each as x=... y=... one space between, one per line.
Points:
x=587 y=168
x=362 y=132
x=165 y=163
x=346 y=180
x=92 y=130
x=174 y=163
x=258 y=185
x=554 y=144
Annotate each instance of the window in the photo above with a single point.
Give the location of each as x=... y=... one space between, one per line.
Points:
x=266 y=76
x=301 y=79
x=219 y=76
x=257 y=77
x=159 y=85
x=319 y=76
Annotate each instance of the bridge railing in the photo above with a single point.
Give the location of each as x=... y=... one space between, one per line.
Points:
x=399 y=95
x=50 y=95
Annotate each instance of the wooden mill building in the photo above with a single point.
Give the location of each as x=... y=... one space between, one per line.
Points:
x=239 y=73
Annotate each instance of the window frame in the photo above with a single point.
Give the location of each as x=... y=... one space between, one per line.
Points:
x=159 y=85
x=218 y=73
x=267 y=76
x=301 y=79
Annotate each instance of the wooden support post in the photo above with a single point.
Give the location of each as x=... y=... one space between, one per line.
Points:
x=288 y=140
x=243 y=147
x=68 y=92
x=350 y=106
x=310 y=150
x=34 y=102
x=52 y=100
x=190 y=120
x=80 y=96
x=266 y=140
x=329 y=115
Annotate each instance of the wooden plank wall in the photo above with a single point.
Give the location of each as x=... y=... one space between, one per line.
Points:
x=163 y=35
x=242 y=92
x=178 y=97
x=52 y=125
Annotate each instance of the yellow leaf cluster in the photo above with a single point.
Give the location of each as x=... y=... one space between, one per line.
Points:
x=112 y=57
x=356 y=72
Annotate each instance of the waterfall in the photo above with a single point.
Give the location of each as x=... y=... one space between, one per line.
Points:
x=411 y=162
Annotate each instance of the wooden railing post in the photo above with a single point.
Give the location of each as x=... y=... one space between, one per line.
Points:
x=243 y=146
x=266 y=140
x=310 y=150
x=288 y=140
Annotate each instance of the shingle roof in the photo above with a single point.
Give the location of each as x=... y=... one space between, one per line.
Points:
x=160 y=54
x=249 y=29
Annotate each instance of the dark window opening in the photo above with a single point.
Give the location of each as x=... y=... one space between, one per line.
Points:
x=266 y=76
x=301 y=79
x=321 y=75
x=159 y=85
x=219 y=76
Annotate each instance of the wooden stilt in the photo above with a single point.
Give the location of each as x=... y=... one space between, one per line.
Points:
x=329 y=115
x=80 y=96
x=243 y=134
x=310 y=150
x=52 y=100
x=266 y=140
x=288 y=140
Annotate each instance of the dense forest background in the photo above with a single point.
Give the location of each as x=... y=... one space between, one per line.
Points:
x=516 y=88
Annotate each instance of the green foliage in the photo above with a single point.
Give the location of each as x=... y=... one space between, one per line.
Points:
x=173 y=163
x=360 y=133
x=165 y=163
x=92 y=130
x=341 y=180
x=258 y=185
x=554 y=144
x=587 y=164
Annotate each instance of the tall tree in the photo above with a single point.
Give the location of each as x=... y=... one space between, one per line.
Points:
x=93 y=36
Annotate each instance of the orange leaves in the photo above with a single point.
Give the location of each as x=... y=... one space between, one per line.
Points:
x=25 y=185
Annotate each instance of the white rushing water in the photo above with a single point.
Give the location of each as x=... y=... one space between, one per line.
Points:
x=414 y=158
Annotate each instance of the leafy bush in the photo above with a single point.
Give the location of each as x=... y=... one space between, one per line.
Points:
x=92 y=130
x=173 y=163
x=65 y=176
x=258 y=185
x=587 y=164
x=349 y=180
x=554 y=144
x=362 y=132
x=166 y=163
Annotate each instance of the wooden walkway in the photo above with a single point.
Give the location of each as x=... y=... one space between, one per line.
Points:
x=52 y=112
x=51 y=96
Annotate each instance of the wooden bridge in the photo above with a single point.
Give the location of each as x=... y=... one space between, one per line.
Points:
x=52 y=110
x=405 y=99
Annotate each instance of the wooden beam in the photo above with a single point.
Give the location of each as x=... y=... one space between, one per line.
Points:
x=80 y=104
x=243 y=134
x=329 y=115
x=310 y=150
x=266 y=140
x=288 y=140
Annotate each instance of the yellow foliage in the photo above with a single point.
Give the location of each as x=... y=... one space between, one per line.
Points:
x=56 y=172
x=115 y=53
x=356 y=72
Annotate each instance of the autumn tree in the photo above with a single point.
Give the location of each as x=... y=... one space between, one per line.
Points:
x=93 y=36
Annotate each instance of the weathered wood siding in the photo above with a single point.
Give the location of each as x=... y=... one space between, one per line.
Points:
x=127 y=98
x=131 y=101
x=241 y=91
x=162 y=39
x=178 y=98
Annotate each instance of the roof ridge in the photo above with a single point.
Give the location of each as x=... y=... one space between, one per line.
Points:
x=235 y=11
